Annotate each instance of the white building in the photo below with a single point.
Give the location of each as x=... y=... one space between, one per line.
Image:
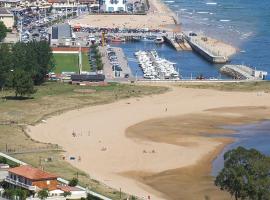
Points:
x=71 y=4
x=115 y=5
x=10 y=3
x=7 y=17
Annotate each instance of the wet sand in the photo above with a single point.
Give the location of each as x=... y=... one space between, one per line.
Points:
x=195 y=181
x=119 y=147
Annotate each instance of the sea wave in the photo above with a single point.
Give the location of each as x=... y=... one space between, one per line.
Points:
x=224 y=20
x=211 y=3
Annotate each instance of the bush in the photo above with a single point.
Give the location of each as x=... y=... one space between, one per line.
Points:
x=73 y=182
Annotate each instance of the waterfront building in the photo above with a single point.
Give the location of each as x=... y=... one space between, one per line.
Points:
x=115 y=5
x=7 y=17
x=34 y=180
x=71 y=4
x=31 y=179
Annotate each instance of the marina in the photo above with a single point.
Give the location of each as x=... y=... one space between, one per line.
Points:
x=156 y=68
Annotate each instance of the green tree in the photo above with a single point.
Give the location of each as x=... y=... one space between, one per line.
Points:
x=67 y=194
x=44 y=59
x=9 y=193
x=35 y=58
x=91 y=197
x=245 y=174
x=3 y=31
x=6 y=63
x=21 y=194
x=73 y=182
x=43 y=194
x=21 y=82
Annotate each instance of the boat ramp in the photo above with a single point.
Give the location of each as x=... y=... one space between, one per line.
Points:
x=243 y=72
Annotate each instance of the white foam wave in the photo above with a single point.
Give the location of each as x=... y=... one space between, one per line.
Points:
x=211 y=3
x=224 y=20
x=202 y=12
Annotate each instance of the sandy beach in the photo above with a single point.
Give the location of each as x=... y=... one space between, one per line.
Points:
x=113 y=151
x=158 y=17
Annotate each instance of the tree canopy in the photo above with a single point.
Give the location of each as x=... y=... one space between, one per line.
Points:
x=18 y=193
x=245 y=174
x=3 y=31
x=73 y=182
x=43 y=194
x=6 y=63
x=21 y=82
x=35 y=58
x=24 y=65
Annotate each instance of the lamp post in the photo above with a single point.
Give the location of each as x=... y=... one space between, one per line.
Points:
x=80 y=58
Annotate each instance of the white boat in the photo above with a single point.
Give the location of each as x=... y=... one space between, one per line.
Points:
x=159 y=40
x=156 y=68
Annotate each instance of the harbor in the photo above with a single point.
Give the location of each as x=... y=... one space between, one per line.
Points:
x=156 y=68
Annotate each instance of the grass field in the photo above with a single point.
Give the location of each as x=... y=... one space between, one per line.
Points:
x=69 y=63
x=242 y=86
x=51 y=99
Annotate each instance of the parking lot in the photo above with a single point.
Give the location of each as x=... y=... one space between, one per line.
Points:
x=34 y=24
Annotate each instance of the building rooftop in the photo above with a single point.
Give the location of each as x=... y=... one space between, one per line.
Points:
x=61 y=31
x=66 y=188
x=32 y=173
x=4 y=11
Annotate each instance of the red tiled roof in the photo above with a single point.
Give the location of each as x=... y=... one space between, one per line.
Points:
x=32 y=173
x=66 y=188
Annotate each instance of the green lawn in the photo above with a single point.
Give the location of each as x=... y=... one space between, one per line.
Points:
x=69 y=63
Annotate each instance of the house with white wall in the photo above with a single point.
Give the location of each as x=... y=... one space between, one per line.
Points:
x=115 y=5
x=6 y=17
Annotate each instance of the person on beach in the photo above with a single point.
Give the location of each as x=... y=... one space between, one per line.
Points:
x=73 y=134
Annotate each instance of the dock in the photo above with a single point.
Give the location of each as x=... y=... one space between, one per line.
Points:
x=177 y=41
x=170 y=39
x=206 y=52
x=243 y=72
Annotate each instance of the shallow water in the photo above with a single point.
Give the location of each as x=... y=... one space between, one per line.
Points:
x=249 y=136
x=242 y=23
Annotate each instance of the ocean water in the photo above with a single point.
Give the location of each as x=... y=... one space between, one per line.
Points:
x=255 y=136
x=242 y=23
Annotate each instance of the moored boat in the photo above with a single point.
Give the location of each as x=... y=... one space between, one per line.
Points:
x=159 y=40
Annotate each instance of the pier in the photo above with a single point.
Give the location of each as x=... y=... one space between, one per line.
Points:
x=116 y=68
x=205 y=51
x=243 y=72
x=177 y=41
